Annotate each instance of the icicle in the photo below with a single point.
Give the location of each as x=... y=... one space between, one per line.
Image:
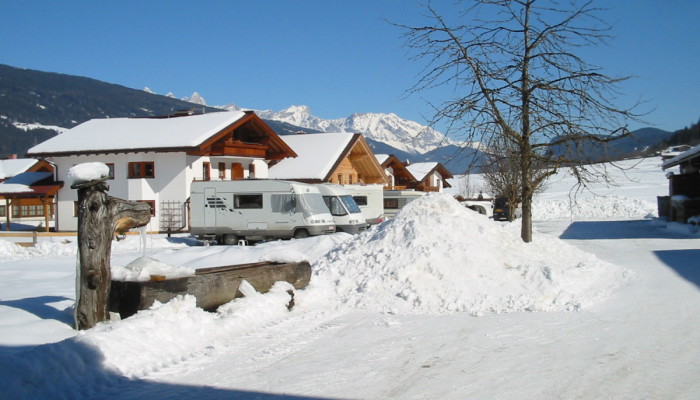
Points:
x=143 y=240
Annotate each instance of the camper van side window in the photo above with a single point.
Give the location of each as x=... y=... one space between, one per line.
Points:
x=391 y=204
x=360 y=200
x=248 y=201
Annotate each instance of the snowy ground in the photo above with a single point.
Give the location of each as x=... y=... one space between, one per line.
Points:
x=439 y=303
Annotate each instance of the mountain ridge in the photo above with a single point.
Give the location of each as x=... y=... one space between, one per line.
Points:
x=34 y=104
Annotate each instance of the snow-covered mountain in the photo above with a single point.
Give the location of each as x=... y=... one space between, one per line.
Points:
x=402 y=134
x=196 y=99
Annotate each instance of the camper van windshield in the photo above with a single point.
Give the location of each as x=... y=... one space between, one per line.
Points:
x=350 y=204
x=311 y=203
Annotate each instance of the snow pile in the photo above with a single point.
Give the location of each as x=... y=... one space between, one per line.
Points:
x=153 y=344
x=87 y=172
x=438 y=257
x=618 y=207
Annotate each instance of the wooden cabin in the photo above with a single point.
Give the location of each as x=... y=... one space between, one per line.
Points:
x=683 y=200
x=27 y=193
x=431 y=176
x=397 y=173
x=341 y=158
x=156 y=159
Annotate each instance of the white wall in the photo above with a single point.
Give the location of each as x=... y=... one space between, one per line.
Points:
x=169 y=183
x=174 y=173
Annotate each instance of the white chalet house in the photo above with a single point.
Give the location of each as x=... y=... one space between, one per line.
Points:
x=156 y=159
x=431 y=176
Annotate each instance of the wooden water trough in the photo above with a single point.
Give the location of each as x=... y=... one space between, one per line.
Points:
x=211 y=287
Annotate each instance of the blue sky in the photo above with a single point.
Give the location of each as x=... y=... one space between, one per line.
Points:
x=337 y=57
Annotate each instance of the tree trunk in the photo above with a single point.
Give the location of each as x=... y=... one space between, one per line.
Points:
x=98 y=216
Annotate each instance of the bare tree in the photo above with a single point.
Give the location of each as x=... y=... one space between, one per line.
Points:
x=518 y=80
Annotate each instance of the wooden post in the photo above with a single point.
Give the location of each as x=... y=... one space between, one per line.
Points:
x=8 y=212
x=46 y=202
x=99 y=215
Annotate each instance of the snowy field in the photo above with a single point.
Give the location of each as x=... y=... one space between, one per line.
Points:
x=438 y=303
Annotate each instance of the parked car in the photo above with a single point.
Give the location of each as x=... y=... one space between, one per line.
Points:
x=502 y=210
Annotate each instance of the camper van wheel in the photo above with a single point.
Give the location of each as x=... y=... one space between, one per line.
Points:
x=301 y=234
x=228 y=240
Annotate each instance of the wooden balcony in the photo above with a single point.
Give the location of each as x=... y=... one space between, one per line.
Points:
x=240 y=149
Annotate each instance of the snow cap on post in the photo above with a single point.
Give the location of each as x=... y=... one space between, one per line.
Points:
x=87 y=172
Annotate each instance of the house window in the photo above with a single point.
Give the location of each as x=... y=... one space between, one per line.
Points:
x=151 y=203
x=2 y=211
x=206 y=171
x=222 y=171
x=145 y=169
x=248 y=201
x=111 y=170
x=26 y=210
x=340 y=179
x=350 y=179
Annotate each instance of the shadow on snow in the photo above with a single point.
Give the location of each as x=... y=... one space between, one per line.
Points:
x=628 y=229
x=685 y=262
x=72 y=369
x=40 y=307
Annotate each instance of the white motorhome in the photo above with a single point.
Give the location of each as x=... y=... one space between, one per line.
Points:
x=395 y=200
x=370 y=199
x=346 y=214
x=229 y=211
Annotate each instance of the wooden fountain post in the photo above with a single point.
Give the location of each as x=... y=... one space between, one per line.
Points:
x=99 y=217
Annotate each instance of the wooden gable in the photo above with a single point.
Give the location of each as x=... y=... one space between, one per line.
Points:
x=402 y=177
x=247 y=137
x=424 y=184
x=357 y=164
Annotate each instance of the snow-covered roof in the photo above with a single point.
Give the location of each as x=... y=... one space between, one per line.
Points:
x=381 y=158
x=21 y=183
x=421 y=170
x=117 y=134
x=12 y=167
x=672 y=162
x=317 y=154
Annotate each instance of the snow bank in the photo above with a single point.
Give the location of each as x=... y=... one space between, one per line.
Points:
x=67 y=246
x=618 y=207
x=438 y=257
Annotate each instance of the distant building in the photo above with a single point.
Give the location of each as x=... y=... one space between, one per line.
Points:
x=683 y=201
x=673 y=151
x=341 y=158
x=399 y=176
x=27 y=190
x=431 y=176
